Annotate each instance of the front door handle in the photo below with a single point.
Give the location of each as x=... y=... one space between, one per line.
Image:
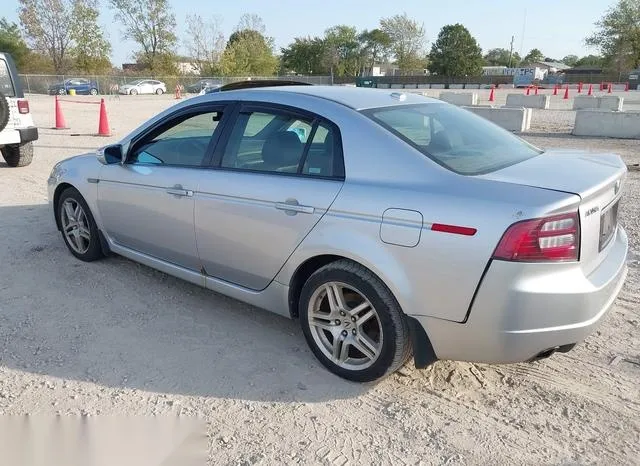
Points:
x=179 y=191
x=291 y=207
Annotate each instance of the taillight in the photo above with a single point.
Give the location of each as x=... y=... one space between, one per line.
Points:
x=550 y=239
x=23 y=106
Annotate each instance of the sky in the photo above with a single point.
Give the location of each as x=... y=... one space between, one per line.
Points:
x=556 y=27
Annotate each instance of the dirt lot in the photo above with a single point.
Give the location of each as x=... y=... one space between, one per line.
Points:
x=115 y=337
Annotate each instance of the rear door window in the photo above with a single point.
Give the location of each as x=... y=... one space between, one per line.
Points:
x=454 y=138
x=6 y=82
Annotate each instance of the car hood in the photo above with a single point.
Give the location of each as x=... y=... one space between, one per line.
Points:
x=575 y=172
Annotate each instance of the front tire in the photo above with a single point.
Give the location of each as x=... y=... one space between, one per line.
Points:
x=133 y=92
x=18 y=155
x=159 y=91
x=352 y=322
x=62 y=92
x=93 y=91
x=78 y=227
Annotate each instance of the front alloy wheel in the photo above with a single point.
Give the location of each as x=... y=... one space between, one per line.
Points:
x=77 y=225
x=353 y=323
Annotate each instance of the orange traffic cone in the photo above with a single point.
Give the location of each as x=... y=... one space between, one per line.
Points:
x=610 y=88
x=590 y=91
x=579 y=88
x=103 y=124
x=528 y=89
x=178 y=92
x=555 y=89
x=60 y=123
x=535 y=90
x=626 y=86
x=492 y=97
x=566 y=93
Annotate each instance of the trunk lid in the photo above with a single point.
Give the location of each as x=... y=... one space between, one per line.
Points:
x=597 y=178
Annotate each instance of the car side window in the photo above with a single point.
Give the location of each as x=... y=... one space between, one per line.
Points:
x=322 y=157
x=267 y=142
x=184 y=143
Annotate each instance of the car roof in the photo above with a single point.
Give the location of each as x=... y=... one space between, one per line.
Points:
x=357 y=98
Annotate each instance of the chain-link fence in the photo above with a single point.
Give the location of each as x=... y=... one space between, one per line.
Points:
x=46 y=83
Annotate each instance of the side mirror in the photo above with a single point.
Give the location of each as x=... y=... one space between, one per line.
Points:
x=110 y=154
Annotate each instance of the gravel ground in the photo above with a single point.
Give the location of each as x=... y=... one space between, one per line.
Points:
x=115 y=337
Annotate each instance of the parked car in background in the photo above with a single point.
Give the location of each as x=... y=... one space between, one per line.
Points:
x=197 y=87
x=143 y=86
x=390 y=224
x=17 y=130
x=79 y=85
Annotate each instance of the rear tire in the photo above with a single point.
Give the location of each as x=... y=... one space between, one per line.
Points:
x=376 y=337
x=62 y=92
x=72 y=213
x=4 y=111
x=18 y=155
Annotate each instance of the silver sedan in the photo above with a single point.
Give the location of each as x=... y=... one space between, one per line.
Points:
x=391 y=225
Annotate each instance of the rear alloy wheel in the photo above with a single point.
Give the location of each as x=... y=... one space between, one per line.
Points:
x=352 y=322
x=18 y=155
x=78 y=227
x=62 y=92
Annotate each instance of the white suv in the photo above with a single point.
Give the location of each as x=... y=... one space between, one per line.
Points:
x=17 y=130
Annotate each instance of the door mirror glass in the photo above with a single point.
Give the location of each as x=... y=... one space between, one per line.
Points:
x=110 y=154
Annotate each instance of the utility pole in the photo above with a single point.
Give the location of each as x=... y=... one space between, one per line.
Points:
x=511 y=52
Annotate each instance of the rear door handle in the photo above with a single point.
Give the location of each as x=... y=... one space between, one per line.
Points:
x=293 y=207
x=180 y=192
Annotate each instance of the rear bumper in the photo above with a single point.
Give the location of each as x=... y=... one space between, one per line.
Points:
x=18 y=136
x=523 y=310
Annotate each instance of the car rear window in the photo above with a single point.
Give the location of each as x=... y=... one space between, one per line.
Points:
x=454 y=138
x=6 y=83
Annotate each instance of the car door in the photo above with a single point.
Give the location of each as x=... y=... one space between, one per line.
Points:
x=277 y=171
x=147 y=202
x=145 y=87
x=81 y=86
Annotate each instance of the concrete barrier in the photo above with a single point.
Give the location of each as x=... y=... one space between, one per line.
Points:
x=456 y=86
x=472 y=86
x=512 y=119
x=528 y=101
x=397 y=86
x=424 y=86
x=590 y=102
x=604 y=123
x=437 y=86
x=460 y=98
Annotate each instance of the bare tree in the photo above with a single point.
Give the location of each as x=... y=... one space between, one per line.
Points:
x=407 y=41
x=251 y=22
x=47 y=25
x=205 y=43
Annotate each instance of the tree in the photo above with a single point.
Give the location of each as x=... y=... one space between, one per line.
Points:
x=618 y=35
x=595 y=61
x=47 y=25
x=570 y=60
x=305 y=55
x=535 y=55
x=91 y=50
x=407 y=41
x=502 y=57
x=376 y=46
x=455 y=53
x=249 y=51
x=11 y=41
x=149 y=23
x=205 y=44
x=343 y=50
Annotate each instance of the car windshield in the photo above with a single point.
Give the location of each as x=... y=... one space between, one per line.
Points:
x=136 y=82
x=6 y=84
x=454 y=138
